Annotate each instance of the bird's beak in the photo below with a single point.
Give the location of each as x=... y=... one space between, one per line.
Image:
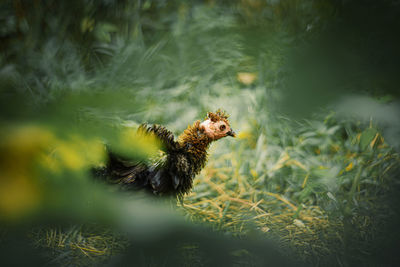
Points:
x=231 y=133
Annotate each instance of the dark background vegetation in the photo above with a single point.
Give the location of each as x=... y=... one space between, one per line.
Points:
x=312 y=89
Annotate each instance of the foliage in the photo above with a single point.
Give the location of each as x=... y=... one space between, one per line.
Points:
x=80 y=74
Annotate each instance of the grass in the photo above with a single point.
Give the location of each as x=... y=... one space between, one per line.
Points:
x=79 y=245
x=290 y=202
x=311 y=222
x=317 y=186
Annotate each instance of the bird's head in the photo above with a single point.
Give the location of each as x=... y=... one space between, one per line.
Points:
x=216 y=125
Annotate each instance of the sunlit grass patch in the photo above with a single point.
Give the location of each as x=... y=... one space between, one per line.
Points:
x=229 y=210
x=300 y=197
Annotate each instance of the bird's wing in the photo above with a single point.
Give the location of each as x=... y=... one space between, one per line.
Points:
x=145 y=171
x=165 y=136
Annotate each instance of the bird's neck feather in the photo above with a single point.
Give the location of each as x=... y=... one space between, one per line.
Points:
x=195 y=140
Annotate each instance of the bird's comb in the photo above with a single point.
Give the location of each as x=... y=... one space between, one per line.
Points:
x=219 y=115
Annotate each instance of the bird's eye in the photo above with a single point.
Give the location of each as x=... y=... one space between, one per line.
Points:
x=222 y=127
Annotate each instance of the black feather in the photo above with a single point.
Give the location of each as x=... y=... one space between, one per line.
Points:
x=170 y=174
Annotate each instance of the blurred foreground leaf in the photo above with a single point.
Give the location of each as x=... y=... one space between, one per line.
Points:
x=367 y=136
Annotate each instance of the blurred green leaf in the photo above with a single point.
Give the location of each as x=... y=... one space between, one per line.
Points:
x=366 y=137
x=103 y=31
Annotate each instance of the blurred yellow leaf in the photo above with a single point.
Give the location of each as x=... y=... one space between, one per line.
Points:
x=19 y=192
x=92 y=150
x=71 y=158
x=246 y=78
x=19 y=195
x=21 y=143
x=349 y=167
x=139 y=143
x=32 y=154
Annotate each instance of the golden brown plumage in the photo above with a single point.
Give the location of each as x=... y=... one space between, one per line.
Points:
x=179 y=162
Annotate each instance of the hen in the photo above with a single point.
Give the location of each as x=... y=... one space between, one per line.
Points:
x=173 y=171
